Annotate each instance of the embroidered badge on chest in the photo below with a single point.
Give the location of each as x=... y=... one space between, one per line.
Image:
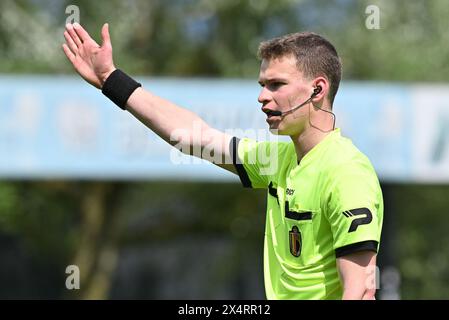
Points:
x=295 y=241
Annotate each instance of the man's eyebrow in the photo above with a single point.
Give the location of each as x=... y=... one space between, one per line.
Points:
x=271 y=80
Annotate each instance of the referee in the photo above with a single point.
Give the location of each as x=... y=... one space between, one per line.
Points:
x=324 y=202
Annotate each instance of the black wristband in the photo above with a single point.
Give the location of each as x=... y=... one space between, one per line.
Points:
x=118 y=87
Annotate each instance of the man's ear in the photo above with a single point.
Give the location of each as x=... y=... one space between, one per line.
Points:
x=320 y=88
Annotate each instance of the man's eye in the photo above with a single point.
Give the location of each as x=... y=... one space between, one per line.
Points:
x=275 y=85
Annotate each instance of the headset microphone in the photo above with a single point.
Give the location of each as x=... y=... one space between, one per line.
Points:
x=281 y=114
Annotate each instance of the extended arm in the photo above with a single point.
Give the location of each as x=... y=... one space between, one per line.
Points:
x=176 y=125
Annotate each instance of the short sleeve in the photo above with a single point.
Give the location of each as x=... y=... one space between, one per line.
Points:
x=355 y=208
x=256 y=162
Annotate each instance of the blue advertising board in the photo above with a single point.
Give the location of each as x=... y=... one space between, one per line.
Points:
x=61 y=127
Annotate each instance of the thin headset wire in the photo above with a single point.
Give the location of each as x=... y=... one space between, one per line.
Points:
x=333 y=116
x=310 y=122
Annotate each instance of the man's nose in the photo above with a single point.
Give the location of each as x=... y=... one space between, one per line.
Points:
x=264 y=96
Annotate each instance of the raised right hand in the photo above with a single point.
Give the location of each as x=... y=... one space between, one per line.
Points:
x=92 y=62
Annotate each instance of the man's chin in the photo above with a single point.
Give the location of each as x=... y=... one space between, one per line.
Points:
x=276 y=131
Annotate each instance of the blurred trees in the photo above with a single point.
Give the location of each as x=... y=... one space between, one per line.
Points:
x=86 y=223
x=220 y=38
x=421 y=240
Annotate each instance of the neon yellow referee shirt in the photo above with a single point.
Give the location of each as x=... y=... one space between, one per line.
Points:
x=327 y=206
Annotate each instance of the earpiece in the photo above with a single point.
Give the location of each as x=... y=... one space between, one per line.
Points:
x=316 y=91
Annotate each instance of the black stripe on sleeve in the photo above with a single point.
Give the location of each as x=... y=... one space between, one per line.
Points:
x=233 y=147
x=369 y=245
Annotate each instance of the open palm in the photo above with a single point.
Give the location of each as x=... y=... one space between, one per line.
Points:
x=93 y=62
